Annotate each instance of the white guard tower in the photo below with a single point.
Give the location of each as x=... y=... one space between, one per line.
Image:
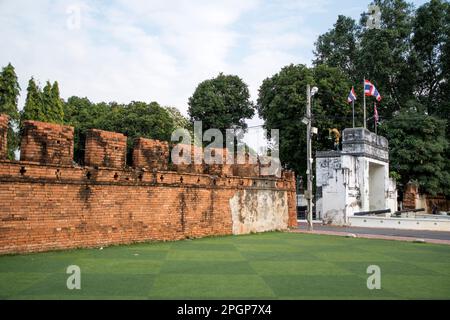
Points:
x=354 y=180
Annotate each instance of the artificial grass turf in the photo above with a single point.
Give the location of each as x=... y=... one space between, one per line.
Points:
x=273 y=265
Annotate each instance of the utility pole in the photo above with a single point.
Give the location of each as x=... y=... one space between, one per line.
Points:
x=309 y=157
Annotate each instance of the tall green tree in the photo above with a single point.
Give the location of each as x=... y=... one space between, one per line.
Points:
x=9 y=94
x=56 y=113
x=407 y=58
x=47 y=101
x=281 y=103
x=179 y=120
x=417 y=149
x=221 y=102
x=34 y=107
x=338 y=47
x=384 y=54
x=430 y=37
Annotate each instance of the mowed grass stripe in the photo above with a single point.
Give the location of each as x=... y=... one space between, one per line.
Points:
x=271 y=265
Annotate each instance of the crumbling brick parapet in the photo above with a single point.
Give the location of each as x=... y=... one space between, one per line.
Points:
x=105 y=149
x=4 y=120
x=150 y=154
x=46 y=143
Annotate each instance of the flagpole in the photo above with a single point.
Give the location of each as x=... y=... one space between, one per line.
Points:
x=375 y=118
x=364 y=97
x=353 y=107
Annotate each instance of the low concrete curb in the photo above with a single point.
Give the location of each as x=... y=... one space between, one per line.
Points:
x=372 y=236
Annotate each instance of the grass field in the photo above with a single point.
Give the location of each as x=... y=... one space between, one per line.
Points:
x=260 y=266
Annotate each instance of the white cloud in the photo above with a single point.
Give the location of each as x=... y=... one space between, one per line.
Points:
x=152 y=50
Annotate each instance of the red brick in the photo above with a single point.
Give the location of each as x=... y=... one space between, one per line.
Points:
x=46 y=143
x=105 y=149
x=4 y=120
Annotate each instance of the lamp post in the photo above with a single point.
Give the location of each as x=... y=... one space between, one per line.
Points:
x=309 y=160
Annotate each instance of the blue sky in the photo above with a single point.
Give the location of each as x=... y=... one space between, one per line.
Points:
x=160 y=50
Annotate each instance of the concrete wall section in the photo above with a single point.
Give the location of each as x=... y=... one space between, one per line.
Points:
x=401 y=223
x=258 y=211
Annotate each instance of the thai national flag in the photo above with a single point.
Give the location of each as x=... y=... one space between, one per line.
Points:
x=351 y=96
x=370 y=90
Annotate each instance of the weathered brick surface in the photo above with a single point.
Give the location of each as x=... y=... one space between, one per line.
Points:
x=46 y=143
x=410 y=195
x=289 y=183
x=151 y=154
x=47 y=207
x=220 y=167
x=194 y=166
x=105 y=149
x=46 y=203
x=248 y=169
x=3 y=136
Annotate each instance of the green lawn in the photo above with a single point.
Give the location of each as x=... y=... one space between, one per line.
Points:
x=260 y=266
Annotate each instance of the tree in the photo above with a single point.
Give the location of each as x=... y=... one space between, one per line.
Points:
x=384 y=55
x=9 y=93
x=338 y=47
x=417 y=149
x=56 y=105
x=407 y=58
x=329 y=106
x=179 y=120
x=53 y=107
x=221 y=102
x=34 y=107
x=430 y=37
x=136 y=119
x=281 y=103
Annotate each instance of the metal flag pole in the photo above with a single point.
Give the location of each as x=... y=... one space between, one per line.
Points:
x=364 y=97
x=353 y=107
x=375 y=118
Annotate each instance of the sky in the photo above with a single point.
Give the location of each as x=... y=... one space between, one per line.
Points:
x=125 y=50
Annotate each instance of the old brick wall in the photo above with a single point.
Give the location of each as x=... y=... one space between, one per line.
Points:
x=151 y=154
x=410 y=195
x=3 y=136
x=46 y=206
x=105 y=149
x=46 y=143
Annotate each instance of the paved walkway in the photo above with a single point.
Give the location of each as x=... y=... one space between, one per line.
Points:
x=440 y=237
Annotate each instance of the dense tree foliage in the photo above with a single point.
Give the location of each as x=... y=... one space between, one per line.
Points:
x=221 y=102
x=43 y=105
x=408 y=59
x=9 y=94
x=282 y=104
x=417 y=149
x=136 y=119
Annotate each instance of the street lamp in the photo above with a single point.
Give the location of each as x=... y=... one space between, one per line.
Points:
x=309 y=94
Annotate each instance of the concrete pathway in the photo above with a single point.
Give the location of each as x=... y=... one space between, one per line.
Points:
x=440 y=237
